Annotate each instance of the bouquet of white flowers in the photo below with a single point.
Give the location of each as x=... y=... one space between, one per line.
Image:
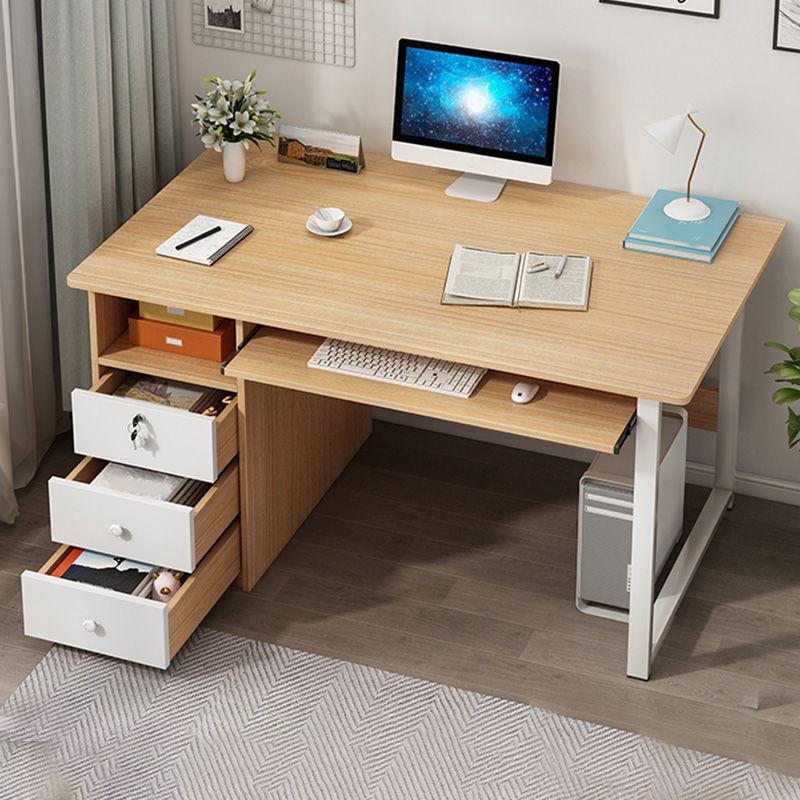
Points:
x=233 y=111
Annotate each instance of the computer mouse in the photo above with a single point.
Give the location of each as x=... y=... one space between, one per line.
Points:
x=524 y=392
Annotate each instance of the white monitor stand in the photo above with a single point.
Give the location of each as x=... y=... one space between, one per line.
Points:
x=484 y=176
x=483 y=188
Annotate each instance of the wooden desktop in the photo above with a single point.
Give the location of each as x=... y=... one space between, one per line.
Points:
x=652 y=331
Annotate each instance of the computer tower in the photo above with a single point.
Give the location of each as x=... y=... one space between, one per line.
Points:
x=605 y=518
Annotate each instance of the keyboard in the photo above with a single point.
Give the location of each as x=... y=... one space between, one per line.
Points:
x=392 y=366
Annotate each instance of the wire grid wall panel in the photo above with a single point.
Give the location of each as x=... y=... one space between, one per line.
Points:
x=322 y=31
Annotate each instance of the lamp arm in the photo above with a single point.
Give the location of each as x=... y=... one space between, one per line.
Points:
x=696 y=158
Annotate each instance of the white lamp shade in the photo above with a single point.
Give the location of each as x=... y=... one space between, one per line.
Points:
x=668 y=132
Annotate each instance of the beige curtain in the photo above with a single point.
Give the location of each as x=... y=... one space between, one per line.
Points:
x=113 y=136
x=28 y=409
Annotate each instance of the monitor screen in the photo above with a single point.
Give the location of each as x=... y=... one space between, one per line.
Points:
x=476 y=101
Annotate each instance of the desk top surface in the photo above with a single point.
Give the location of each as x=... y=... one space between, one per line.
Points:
x=653 y=327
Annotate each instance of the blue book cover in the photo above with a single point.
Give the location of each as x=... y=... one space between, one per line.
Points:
x=653 y=225
x=690 y=253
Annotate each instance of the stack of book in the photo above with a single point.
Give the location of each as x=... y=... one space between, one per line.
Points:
x=655 y=232
x=153 y=485
x=198 y=399
x=107 y=572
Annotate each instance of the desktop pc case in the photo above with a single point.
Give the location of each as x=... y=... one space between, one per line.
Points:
x=605 y=519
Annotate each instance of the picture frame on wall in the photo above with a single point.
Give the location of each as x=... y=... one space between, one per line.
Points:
x=695 y=8
x=225 y=16
x=786 y=34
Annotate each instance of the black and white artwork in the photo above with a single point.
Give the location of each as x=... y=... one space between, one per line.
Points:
x=697 y=8
x=787 y=25
x=225 y=15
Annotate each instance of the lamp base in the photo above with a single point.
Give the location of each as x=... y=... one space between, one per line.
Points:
x=687 y=210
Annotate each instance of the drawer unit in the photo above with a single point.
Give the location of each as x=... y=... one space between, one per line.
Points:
x=132 y=628
x=140 y=528
x=178 y=442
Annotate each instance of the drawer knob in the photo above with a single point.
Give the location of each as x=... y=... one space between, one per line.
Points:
x=89 y=625
x=116 y=530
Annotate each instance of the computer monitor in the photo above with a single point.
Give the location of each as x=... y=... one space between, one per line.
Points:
x=490 y=115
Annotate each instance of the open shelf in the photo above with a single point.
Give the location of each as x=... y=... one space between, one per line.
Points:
x=134 y=358
x=563 y=414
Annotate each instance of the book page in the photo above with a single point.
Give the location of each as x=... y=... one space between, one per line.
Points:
x=482 y=274
x=543 y=289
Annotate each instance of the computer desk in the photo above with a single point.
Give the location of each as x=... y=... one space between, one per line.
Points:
x=652 y=331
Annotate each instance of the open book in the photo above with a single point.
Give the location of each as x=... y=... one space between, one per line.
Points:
x=526 y=280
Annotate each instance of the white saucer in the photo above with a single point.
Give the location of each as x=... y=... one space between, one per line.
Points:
x=343 y=228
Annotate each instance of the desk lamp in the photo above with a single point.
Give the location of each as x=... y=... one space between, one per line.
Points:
x=668 y=134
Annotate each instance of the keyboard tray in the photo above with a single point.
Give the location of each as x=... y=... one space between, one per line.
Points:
x=563 y=414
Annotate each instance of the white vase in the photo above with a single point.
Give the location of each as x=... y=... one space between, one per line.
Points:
x=234 y=161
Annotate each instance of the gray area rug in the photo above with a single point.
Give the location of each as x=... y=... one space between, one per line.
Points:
x=236 y=718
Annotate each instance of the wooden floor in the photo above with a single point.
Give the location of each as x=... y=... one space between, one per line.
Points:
x=453 y=560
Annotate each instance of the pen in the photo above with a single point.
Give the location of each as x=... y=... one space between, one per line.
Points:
x=560 y=268
x=538 y=267
x=197 y=238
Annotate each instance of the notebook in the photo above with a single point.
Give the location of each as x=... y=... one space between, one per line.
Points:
x=211 y=248
x=524 y=280
x=653 y=225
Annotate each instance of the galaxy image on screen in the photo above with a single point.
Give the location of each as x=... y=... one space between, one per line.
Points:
x=476 y=102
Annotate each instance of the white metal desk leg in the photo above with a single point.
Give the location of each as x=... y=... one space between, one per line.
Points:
x=643 y=544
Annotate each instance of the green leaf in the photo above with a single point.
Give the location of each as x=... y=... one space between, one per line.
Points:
x=776 y=345
x=793 y=428
x=785 y=396
x=794 y=313
x=794 y=297
x=786 y=371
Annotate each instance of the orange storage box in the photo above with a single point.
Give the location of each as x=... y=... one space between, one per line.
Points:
x=214 y=345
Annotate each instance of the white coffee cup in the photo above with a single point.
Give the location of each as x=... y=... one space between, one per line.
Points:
x=332 y=220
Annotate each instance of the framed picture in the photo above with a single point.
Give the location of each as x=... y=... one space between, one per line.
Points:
x=787 y=26
x=225 y=15
x=697 y=8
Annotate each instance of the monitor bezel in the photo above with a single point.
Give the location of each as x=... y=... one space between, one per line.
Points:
x=399 y=136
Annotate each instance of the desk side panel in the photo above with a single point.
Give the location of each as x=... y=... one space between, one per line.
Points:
x=292 y=446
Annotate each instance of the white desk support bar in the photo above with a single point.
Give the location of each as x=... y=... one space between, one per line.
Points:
x=650 y=617
x=643 y=541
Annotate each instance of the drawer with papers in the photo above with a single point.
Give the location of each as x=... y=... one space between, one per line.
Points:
x=151 y=433
x=122 y=625
x=162 y=523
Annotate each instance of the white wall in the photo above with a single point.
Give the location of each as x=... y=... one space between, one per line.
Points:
x=622 y=67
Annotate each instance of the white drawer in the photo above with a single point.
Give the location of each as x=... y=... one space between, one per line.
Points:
x=179 y=442
x=119 y=625
x=152 y=531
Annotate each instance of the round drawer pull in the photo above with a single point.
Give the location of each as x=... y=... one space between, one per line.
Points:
x=89 y=625
x=116 y=530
